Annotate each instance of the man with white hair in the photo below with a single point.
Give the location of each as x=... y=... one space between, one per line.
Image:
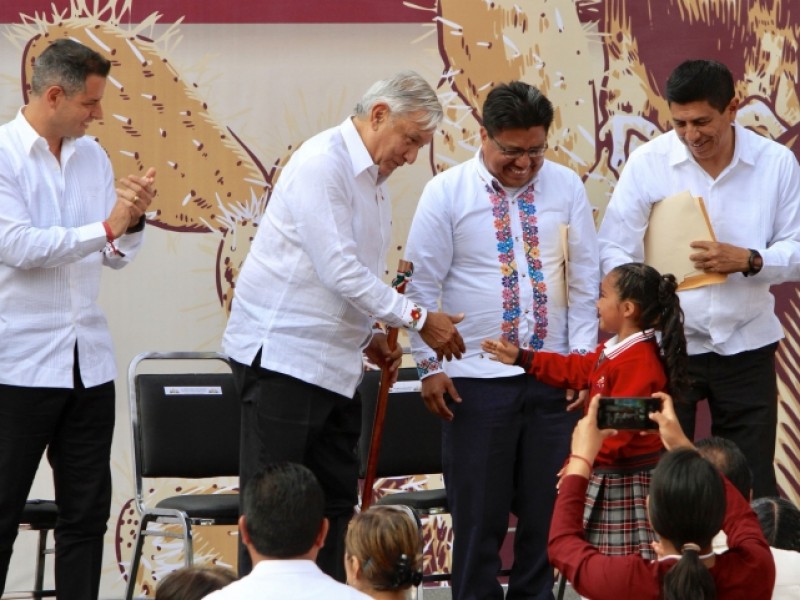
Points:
x=310 y=294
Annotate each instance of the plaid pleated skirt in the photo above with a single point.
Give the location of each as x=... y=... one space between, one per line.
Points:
x=615 y=514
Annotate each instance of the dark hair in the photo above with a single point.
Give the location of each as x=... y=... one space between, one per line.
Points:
x=730 y=460
x=697 y=80
x=194 y=583
x=67 y=63
x=659 y=308
x=516 y=105
x=687 y=507
x=387 y=539
x=283 y=508
x=780 y=522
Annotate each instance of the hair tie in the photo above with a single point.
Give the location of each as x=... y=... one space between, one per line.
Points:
x=690 y=546
x=403 y=574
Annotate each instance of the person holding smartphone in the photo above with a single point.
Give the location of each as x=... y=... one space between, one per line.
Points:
x=689 y=502
x=635 y=301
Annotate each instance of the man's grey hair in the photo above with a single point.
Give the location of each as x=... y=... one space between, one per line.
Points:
x=405 y=93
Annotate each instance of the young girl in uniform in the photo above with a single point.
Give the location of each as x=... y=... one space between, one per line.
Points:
x=635 y=302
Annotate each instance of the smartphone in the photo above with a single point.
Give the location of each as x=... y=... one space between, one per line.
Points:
x=627 y=413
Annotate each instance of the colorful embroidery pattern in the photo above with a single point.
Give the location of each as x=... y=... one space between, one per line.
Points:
x=428 y=365
x=508 y=265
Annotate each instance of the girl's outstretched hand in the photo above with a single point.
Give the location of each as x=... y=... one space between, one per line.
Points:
x=501 y=350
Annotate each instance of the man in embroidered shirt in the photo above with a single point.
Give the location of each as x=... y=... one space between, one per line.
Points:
x=61 y=221
x=311 y=289
x=508 y=238
x=283 y=527
x=750 y=186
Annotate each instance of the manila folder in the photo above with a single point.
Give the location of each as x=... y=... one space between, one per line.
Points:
x=676 y=222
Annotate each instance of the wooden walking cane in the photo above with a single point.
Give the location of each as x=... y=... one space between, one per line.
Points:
x=404 y=271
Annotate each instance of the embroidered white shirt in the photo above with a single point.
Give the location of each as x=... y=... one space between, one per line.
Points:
x=468 y=244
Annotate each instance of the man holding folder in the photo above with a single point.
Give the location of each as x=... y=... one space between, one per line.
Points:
x=750 y=187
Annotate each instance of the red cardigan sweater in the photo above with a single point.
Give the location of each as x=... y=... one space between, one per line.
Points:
x=745 y=572
x=632 y=369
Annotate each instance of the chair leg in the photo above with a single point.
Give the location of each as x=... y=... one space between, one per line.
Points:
x=41 y=552
x=562 y=585
x=188 y=542
x=136 y=558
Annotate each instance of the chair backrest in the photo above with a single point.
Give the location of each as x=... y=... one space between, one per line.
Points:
x=412 y=435
x=184 y=424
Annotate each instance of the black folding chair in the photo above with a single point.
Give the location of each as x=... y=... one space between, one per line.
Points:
x=184 y=425
x=39 y=516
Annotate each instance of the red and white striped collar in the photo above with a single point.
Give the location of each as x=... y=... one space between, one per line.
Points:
x=614 y=346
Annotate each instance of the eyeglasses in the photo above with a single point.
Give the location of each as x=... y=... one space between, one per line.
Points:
x=515 y=153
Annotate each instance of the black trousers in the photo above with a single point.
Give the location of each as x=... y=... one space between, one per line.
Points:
x=76 y=427
x=286 y=419
x=501 y=452
x=742 y=393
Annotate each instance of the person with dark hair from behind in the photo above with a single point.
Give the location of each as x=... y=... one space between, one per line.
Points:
x=194 y=582
x=730 y=460
x=689 y=502
x=283 y=527
x=383 y=552
x=780 y=522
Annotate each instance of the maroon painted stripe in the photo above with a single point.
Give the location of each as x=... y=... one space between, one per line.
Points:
x=246 y=11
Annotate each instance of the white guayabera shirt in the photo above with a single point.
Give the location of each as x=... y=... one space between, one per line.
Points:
x=52 y=247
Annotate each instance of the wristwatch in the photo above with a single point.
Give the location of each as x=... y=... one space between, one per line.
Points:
x=754 y=262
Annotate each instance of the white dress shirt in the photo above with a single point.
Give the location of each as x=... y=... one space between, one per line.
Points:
x=787 y=568
x=787 y=574
x=286 y=580
x=311 y=288
x=462 y=257
x=753 y=203
x=52 y=248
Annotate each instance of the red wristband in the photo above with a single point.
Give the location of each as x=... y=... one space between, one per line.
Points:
x=110 y=240
x=109 y=233
x=585 y=460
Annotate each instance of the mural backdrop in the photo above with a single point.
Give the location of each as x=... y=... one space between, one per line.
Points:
x=217 y=95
